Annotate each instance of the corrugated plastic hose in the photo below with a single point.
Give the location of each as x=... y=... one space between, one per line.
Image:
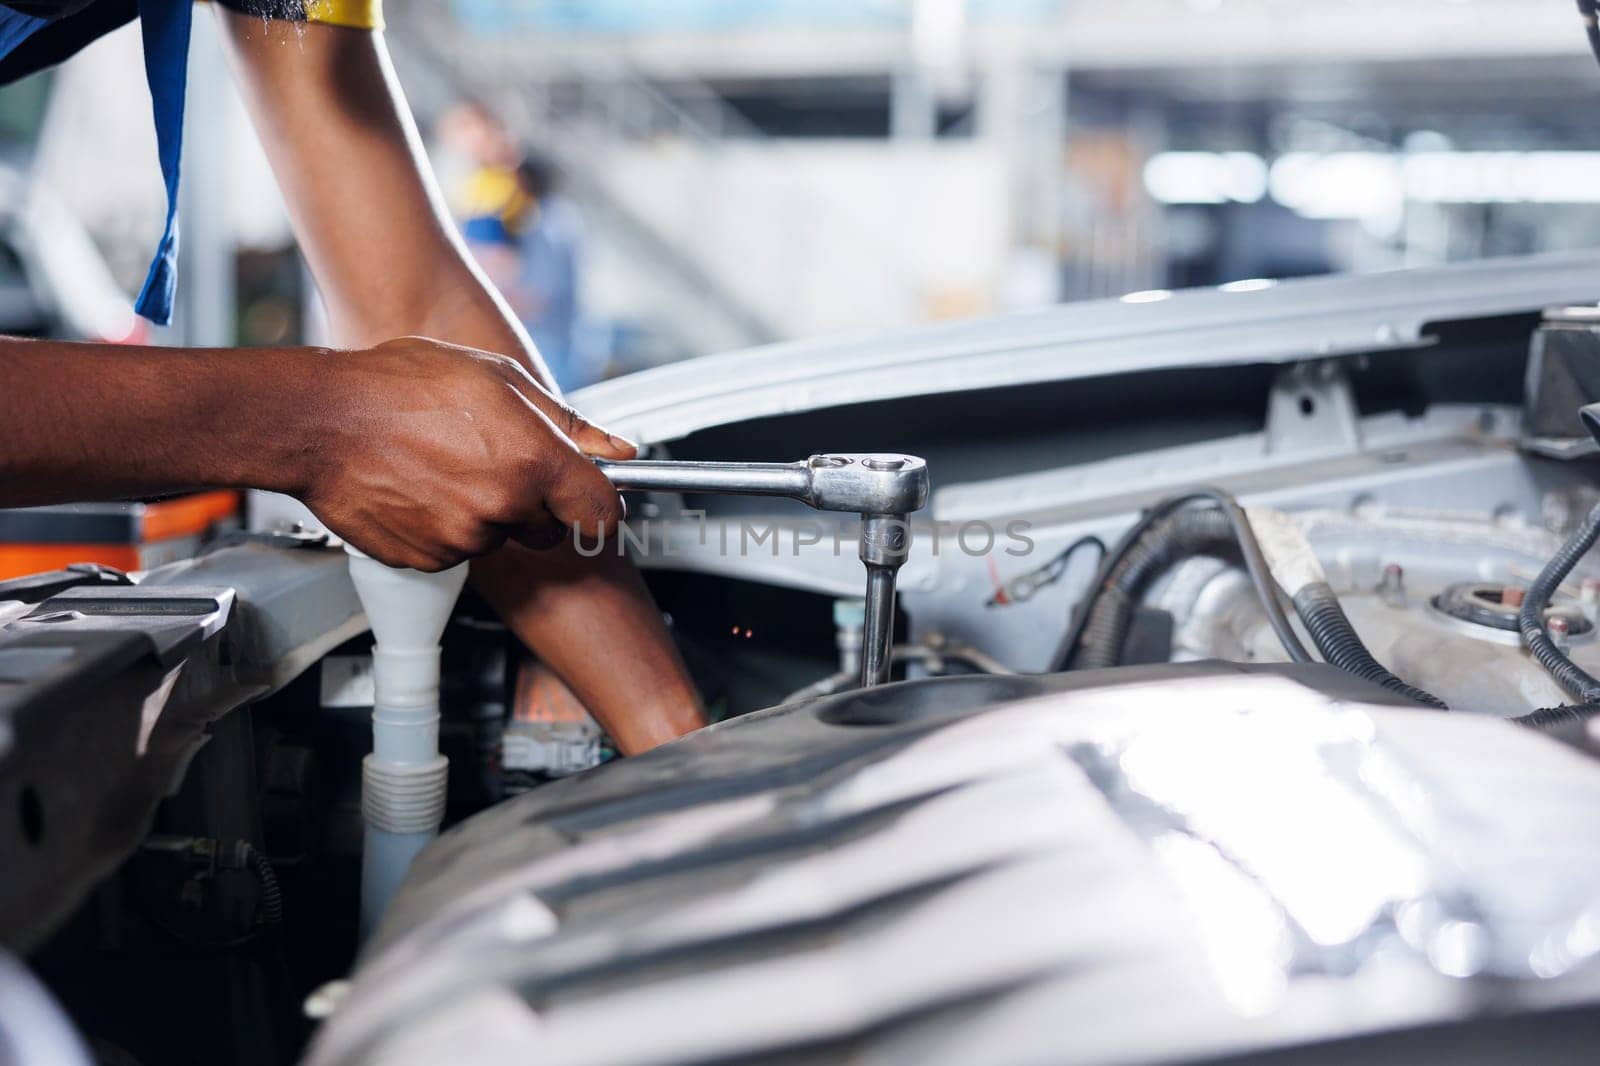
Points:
x=271 y=899
x=1170 y=531
x=1550 y=718
x=1336 y=638
x=1530 y=620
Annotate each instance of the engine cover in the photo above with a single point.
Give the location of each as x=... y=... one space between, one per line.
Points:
x=1130 y=865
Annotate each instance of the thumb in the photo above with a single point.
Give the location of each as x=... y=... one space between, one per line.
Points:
x=595 y=441
x=590 y=439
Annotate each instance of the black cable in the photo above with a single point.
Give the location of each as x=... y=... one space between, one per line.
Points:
x=1105 y=579
x=1109 y=561
x=1548 y=719
x=1571 y=724
x=1101 y=583
x=271 y=899
x=1023 y=587
x=240 y=855
x=1589 y=11
x=1255 y=560
x=1186 y=533
x=1337 y=640
x=1530 y=620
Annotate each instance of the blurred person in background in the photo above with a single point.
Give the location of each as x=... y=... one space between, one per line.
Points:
x=479 y=162
x=544 y=291
x=434 y=433
x=473 y=142
x=524 y=234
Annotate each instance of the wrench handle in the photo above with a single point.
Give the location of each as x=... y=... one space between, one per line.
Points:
x=877 y=644
x=790 y=480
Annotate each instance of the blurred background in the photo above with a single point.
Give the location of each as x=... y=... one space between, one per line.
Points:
x=654 y=179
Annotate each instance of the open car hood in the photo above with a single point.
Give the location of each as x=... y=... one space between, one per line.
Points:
x=1265 y=322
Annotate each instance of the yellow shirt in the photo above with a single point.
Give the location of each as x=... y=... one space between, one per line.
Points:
x=360 y=14
x=357 y=14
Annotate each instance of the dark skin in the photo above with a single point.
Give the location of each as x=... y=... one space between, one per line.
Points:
x=448 y=443
x=457 y=457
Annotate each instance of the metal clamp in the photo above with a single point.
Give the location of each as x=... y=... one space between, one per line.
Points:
x=882 y=489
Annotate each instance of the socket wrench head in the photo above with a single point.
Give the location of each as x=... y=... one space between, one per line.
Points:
x=885 y=540
x=868 y=484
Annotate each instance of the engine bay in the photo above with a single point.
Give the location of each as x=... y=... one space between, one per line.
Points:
x=1202 y=645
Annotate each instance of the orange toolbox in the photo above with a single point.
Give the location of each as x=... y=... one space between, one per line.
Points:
x=128 y=536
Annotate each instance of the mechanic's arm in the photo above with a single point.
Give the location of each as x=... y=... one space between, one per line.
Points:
x=372 y=225
x=378 y=442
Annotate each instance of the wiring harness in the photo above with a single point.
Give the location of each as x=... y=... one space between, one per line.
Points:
x=1210 y=521
x=1589 y=11
x=1530 y=619
x=1172 y=530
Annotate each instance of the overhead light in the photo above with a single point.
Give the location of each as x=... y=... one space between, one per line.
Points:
x=1503 y=177
x=1247 y=285
x=1206 y=177
x=1334 y=185
x=1374 y=186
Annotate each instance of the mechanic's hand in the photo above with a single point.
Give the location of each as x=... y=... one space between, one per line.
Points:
x=436 y=453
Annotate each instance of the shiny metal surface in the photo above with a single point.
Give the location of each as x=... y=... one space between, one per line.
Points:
x=883 y=488
x=1472 y=667
x=790 y=480
x=863 y=484
x=1381 y=314
x=1162 y=866
x=879 y=627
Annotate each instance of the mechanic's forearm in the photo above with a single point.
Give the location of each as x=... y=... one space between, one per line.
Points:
x=591 y=619
x=100 y=421
x=388 y=261
x=367 y=212
x=593 y=622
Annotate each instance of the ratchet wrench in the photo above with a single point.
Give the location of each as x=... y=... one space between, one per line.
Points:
x=883 y=489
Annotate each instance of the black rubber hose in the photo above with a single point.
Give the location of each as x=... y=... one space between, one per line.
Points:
x=1530 y=620
x=1255 y=562
x=271 y=900
x=1189 y=532
x=1119 y=580
x=1100 y=583
x=1569 y=725
x=1549 y=719
x=1318 y=607
x=1588 y=10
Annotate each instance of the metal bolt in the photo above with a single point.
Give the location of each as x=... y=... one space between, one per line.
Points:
x=1392 y=586
x=849 y=617
x=883 y=463
x=1560 y=630
x=1589 y=599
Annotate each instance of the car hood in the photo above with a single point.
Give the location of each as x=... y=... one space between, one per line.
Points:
x=1246 y=322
